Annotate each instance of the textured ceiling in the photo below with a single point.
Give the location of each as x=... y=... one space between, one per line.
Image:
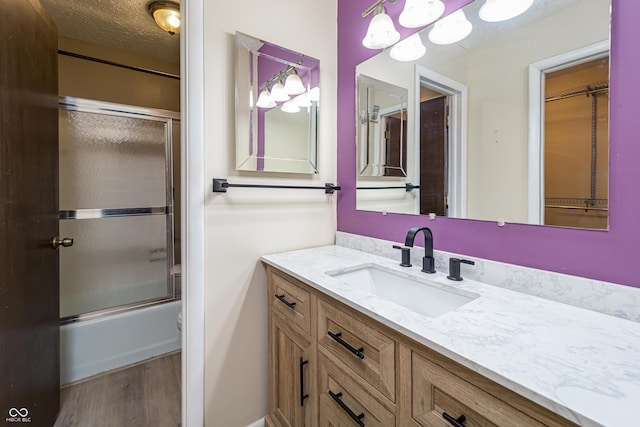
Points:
x=119 y=24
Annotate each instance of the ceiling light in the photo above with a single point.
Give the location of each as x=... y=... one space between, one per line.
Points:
x=278 y=93
x=290 y=107
x=166 y=14
x=451 y=28
x=418 y=13
x=501 y=10
x=408 y=49
x=293 y=84
x=381 y=32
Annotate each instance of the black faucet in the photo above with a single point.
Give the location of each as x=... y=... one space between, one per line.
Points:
x=428 y=262
x=454 y=268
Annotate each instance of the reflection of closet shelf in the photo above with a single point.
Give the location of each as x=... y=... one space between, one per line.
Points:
x=591 y=89
x=577 y=203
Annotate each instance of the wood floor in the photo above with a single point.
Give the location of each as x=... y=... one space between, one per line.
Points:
x=144 y=395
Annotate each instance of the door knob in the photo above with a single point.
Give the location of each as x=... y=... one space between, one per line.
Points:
x=65 y=242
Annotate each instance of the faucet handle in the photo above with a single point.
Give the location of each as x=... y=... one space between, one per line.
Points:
x=406 y=255
x=454 y=268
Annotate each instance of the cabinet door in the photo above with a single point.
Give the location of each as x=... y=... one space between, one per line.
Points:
x=290 y=373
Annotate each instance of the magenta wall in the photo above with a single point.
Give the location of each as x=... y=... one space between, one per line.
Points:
x=610 y=256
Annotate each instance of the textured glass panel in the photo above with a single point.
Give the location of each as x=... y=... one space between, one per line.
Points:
x=111 y=161
x=113 y=261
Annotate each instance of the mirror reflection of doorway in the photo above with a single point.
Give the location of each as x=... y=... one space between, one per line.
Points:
x=434 y=134
x=394 y=138
x=576 y=145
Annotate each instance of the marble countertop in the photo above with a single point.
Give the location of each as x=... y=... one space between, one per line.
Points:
x=581 y=364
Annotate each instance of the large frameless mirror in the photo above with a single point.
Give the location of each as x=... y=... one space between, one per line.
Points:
x=277 y=100
x=510 y=123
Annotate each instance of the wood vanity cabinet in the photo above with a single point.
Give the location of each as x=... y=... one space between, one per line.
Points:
x=292 y=353
x=359 y=372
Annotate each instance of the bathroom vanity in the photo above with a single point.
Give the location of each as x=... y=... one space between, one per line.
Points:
x=344 y=354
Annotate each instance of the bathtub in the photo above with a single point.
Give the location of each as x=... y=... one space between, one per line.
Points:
x=93 y=346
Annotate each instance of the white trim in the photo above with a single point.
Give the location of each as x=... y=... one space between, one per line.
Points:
x=457 y=92
x=193 y=189
x=258 y=423
x=536 y=113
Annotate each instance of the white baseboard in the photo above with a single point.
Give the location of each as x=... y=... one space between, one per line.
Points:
x=258 y=423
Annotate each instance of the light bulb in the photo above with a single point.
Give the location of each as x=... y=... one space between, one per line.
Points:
x=314 y=94
x=451 y=28
x=264 y=100
x=408 y=49
x=418 y=13
x=501 y=10
x=278 y=93
x=290 y=107
x=302 y=101
x=293 y=85
x=381 y=32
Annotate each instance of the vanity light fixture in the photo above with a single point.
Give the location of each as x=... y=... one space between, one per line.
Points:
x=418 y=13
x=290 y=107
x=408 y=49
x=280 y=92
x=381 y=32
x=166 y=14
x=451 y=29
x=293 y=84
x=501 y=10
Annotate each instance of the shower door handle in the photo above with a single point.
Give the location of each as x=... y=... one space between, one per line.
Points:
x=64 y=242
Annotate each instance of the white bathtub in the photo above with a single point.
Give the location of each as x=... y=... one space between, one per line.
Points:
x=94 y=346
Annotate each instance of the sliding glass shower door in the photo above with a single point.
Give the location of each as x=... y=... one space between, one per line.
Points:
x=116 y=202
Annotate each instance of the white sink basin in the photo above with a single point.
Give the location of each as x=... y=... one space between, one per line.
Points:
x=431 y=300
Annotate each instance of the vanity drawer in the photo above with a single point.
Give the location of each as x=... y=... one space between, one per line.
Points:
x=436 y=391
x=360 y=347
x=343 y=400
x=290 y=301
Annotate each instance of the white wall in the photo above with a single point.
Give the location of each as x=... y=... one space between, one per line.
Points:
x=243 y=224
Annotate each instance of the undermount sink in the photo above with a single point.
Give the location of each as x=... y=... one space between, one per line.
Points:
x=414 y=294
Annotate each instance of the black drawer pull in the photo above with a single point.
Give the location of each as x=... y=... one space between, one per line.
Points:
x=354 y=417
x=284 y=301
x=456 y=422
x=352 y=349
x=302 y=395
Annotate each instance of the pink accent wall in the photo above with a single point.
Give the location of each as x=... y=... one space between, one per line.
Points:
x=605 y=255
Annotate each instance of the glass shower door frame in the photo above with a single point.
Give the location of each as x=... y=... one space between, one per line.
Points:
x=169 y=118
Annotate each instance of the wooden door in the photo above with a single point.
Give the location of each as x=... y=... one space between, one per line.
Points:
x=395 y=146
x=29 y=300
x=433 y=154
